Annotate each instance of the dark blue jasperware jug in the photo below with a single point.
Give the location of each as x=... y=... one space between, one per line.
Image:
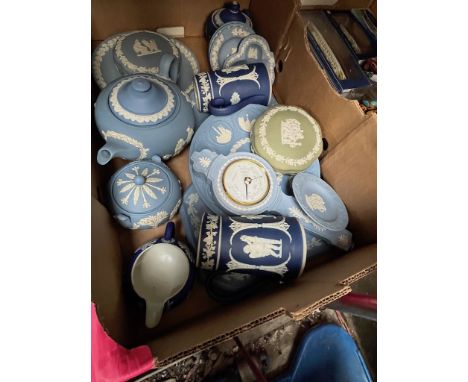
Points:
x=265 y=245
x=225 y=91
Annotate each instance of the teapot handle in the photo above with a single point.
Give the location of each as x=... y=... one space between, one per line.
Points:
x=218 y=106
x=165 y=66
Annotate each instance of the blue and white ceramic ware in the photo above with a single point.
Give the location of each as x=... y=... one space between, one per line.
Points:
x=262 y=245
x=225 y=42
x=324 y=208
x=253 y=49
x=104 y=68
x=141 y=116
x=223 y=135
x=144 y=194
x=147 y=52
x=189 y=66
x=162 y=274
x=191 y=212
x=245 y=184
x=232 y=12
x=225 y=91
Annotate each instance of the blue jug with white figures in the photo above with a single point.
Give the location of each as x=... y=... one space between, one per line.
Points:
x=255 y=244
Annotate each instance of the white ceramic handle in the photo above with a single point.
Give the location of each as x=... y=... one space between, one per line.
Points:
x=154 y=312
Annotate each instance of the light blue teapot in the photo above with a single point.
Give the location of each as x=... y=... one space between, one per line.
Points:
x=141 y=116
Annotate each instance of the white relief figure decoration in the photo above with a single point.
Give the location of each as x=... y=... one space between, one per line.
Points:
x=235 y=98
x=194 y=217
x=152 y=220
x=258 y=247
x=291 y=132
x=245 y=124
x=204 y=161
x=234 y=69
x=315 y=202
x=145 y=47
x=140 y=184
x=252 y=53
x=129 y=140
x=209 y=248
x=298 y=214
x=224 y=135
x=223 y=81
x=239 y=32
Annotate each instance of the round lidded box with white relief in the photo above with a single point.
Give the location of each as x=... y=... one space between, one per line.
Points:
x=144 y=194
x=288 y=138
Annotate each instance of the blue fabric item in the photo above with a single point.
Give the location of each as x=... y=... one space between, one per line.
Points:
x=327 y=353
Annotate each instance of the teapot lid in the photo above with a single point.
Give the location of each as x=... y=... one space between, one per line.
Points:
x=141 y=51
x=288 y=138
x=142 y=187
x=232 y=12
x=320 y=201
x=142 y=100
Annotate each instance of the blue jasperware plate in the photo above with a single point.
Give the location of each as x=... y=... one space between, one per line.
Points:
x=223 y=135
x=104 y=68
x=320 y=202
x=225 y=41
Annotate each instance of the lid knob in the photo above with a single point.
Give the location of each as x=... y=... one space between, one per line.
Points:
x=141 y=85
x=234 y=6
x=139 y=180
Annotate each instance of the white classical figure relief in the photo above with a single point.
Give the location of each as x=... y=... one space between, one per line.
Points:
x=252 y=53
x=258 y=247
x=291 y=132
x=145 y=47
x=315 y=202
x=245 y=124
x=235 y=98
x=223 y=135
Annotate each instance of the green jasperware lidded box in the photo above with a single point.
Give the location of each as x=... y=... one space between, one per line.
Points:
x=288 y=138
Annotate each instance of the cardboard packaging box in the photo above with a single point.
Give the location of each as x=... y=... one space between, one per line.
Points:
x=348 y=165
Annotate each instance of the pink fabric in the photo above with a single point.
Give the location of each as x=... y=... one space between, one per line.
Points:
x=111 y=362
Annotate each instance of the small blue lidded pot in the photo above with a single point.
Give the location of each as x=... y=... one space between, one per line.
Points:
x=231 y=13
x=144 y=194
x=162 y=274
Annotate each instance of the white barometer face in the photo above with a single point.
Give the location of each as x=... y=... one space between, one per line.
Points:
x=246 y=182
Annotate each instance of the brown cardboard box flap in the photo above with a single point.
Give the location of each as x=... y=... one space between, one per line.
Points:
x=316 y=285
x=351 y=169
x=301 y=81
x=275 y=26
x=113 y=16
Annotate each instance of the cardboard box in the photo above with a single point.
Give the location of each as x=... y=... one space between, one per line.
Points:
x=349 y=166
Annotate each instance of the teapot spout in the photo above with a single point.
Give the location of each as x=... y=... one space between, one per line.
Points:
x=114 y=149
